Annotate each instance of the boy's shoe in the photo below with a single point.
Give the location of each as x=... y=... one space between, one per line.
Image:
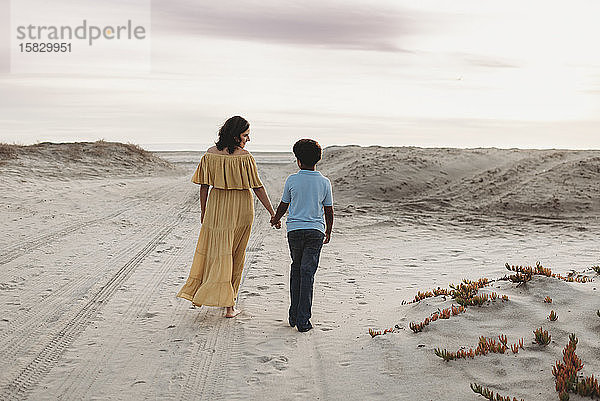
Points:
x=303 y=329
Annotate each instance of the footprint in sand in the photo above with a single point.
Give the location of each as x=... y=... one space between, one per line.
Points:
x=280 y=363
x=263 y=287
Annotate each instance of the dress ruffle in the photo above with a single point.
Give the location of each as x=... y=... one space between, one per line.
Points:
x=227 y=172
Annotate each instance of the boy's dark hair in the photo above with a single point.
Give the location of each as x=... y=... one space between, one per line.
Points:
x=308 y=151
x=229 y=134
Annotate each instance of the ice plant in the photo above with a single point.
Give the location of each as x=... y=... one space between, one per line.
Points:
x=542 y=337
x=489 y=394
x=484 y=347
x=428 y=294
x=479 y=299
x=596 y=269
x=502 y=339
x=443 y=314
x=520 y=278
x=444 y=354
x=375 y=333
x=553 y=316
x=565 y=374
x=467 y=290
x=524 y=274
x=514 y=348
x=418 y=327
x=548 y=300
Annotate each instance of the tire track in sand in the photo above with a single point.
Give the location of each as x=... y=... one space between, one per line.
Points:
x=77 y=385
x=30 y=324
x=32 y=243
x=30 y=376
x=206 y=364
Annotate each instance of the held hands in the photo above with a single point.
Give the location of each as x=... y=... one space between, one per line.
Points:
x=275 y=223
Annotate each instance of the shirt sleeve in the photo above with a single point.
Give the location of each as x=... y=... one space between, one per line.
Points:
x=286 y=197
x=328 y=201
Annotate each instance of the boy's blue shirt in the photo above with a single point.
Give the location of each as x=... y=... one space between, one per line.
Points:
x=307 y=192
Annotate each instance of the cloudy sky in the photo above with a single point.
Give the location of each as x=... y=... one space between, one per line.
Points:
x=389 y=72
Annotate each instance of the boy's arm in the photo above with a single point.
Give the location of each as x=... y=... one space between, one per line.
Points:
x=328 y=223
x=281 y=209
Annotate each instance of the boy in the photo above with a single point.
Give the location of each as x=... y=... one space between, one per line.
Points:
x=308 y=195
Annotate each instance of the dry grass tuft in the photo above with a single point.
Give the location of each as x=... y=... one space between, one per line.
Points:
x=8 y=151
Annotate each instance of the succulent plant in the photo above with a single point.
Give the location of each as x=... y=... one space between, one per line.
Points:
x=375 y=333
x=489 y=394
x=553 y=316
x=548 y=300
x=588 y=387
x=565 y=372
x=479 y=299
x=520 y=277
x=542 y=337
x=524 y=274
x=484 y=347
x=440 y=314
x=502 y=338
x=444 y=354
x=596 y=269
x=416 y=327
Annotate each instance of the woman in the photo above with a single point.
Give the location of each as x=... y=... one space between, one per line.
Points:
x=226 y=216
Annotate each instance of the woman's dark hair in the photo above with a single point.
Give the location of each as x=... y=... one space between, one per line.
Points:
x=308 y=151
x=229 y=134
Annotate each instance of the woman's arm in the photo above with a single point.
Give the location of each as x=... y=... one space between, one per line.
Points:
x=262 y=196
x=203 y=198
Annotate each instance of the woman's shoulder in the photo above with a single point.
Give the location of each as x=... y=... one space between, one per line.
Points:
x=215 y=151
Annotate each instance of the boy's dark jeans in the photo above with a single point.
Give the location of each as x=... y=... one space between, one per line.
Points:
x=305 y=249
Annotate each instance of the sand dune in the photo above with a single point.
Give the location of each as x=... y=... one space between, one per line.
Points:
x=79 y=160
x=548 y=183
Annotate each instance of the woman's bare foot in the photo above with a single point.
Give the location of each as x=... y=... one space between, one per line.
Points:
x=232 y=312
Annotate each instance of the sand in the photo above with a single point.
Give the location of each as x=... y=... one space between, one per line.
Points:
x=95 y=250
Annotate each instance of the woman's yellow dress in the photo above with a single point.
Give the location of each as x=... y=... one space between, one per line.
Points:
x=216 y=270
